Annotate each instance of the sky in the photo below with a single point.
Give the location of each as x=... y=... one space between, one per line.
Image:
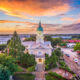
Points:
x=56 y=16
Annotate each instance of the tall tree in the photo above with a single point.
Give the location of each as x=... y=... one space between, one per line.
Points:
x=15 y=46
x=51 y=61
x=77 y=47
x=27 y=60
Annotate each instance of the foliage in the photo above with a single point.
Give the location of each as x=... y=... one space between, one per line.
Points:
x=76 y=36
x=63 y=44
x=9 y=62
x=4 y=73
x=48 y=77
x=2 y=46
x=54 y=41
x=31 y=69
x=19 y=69
x=62 y=63
x=64 y=66
x=24 y=77
x=27 y=60
x=15 y=47
x=30 y=39
x=77 y=47
x=58 y=52
x=51 y=61
x=59 y=77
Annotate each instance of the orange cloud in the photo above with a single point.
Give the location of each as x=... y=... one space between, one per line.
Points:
x=68 y=19
x=23 y=8
x=77 y=21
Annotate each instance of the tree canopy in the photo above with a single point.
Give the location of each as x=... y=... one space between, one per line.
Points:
x=2 y=46
x=9 y=62
x=15 y=46
x=51 y=61
x=58 y=52
x=54 y=41
x=77 y=47
x=27 y=60
x=4 y=73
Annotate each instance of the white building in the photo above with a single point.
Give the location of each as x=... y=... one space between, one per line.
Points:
x=71 y=45
x=39 y=47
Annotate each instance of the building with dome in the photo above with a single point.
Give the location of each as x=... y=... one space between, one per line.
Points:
x=39 y=47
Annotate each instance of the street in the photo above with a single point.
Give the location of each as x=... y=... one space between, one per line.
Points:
x=70 y=60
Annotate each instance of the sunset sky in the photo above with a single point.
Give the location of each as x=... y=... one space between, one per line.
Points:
x=57 y=16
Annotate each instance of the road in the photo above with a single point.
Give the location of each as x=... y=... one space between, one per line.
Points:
x=68 y=51
x=70 y=60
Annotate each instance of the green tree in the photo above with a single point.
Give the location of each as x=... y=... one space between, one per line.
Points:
x=9 y=62
x=30 y=39
x=51 y=61
x=58 y=52
x=15 y=47
x=54 y=41
x=77 y=47
x=27 y=60
x=4 y=73
x=63 y=44
x=2 y=46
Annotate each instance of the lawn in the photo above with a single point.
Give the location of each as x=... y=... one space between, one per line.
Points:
x=54 y=76
x=31 y=69
x=48 y=77
x=24 y=77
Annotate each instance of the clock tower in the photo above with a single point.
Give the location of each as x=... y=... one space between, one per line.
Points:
x=40 y=36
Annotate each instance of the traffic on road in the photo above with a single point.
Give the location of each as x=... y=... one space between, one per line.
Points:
x=72 y=59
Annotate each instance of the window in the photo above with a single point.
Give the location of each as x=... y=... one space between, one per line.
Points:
x=39 y=53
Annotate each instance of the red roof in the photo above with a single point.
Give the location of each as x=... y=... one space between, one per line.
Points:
x=71 y=41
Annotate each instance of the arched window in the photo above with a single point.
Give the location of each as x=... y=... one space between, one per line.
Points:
x=39 y=53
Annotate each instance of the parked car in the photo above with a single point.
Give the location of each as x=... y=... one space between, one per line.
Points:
x=76 y=60
x=67 y=55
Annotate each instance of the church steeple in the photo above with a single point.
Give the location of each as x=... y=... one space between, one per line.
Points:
x=40 y=36
x=40 y=27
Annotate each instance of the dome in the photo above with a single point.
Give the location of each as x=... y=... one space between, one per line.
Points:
x=39 y=28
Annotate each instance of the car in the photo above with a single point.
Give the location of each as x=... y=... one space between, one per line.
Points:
x=76 y=60
x=67 y=55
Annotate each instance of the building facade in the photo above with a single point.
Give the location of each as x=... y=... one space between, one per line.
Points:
x=39 y=47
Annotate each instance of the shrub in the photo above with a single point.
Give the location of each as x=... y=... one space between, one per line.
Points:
x=56 y=75
x=48 y=77
x=31 y=69
x=62 y=63
x=4 y=73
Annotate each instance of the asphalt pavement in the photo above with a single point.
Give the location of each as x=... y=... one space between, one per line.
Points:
x=70 y=60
